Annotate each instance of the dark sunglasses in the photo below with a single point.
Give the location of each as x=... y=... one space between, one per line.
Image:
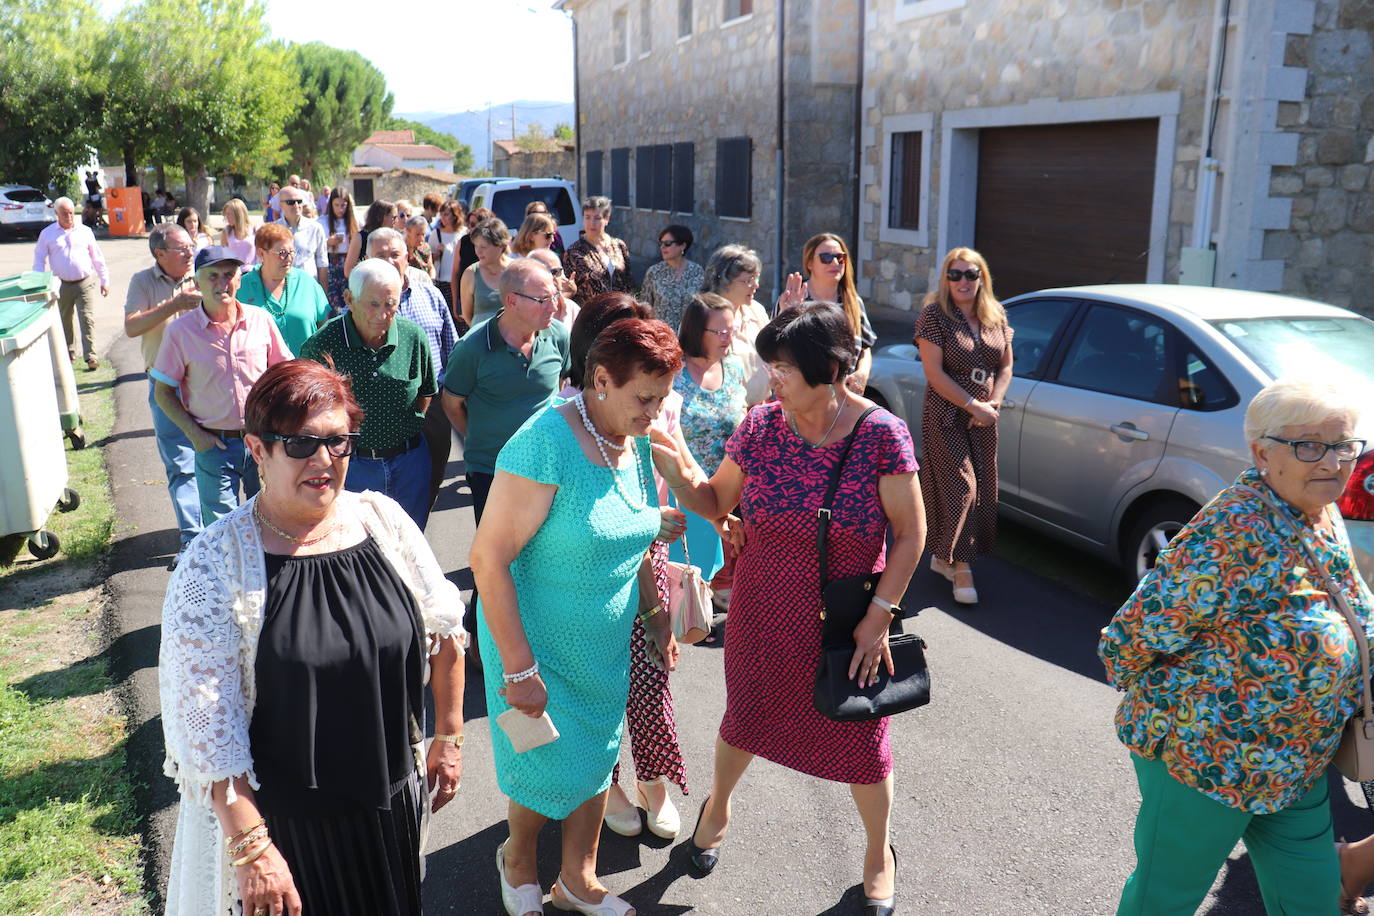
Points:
x=668 y=243
x=972 y=274
x=292 y=203
x=340 y=446
x=830 y=257
x=556 y=271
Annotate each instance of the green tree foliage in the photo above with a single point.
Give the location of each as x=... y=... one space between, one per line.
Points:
x=562 y=132
x=462 y=153
x=217 y=89
x=344 y=99
x=49 y=96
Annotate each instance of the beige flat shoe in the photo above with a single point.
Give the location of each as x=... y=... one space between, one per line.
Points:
x=941 y=568
x=663 y=822
x=610 y=905
x=626 y=822
x=964 y=594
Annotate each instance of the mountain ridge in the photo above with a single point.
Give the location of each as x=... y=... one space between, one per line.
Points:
x=470 y=127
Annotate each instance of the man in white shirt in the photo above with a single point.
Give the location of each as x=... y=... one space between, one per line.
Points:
x=307 y=234
x=77 y=260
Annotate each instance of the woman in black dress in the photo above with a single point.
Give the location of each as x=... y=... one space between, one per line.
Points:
x=298 y=635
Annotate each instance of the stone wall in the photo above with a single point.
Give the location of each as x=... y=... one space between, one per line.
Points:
x=1329 y=245
x=719 y=82
x=559 y=163
x=992 y=53
x=394 y=186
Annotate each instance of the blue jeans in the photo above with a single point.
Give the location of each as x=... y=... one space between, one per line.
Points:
x=404 y=478
x=179 y=464
x=219 y=472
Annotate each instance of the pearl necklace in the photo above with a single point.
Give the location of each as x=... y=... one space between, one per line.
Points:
x=304 y=542
x=792 y=421
x=581 y=402
x=601 y=444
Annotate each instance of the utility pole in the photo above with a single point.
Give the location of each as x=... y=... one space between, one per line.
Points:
x=512 y=120
x=488 y=136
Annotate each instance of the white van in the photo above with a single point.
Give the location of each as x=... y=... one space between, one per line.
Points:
x=508 y=198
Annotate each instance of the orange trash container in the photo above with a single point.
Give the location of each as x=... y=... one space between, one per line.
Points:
x=124 y=209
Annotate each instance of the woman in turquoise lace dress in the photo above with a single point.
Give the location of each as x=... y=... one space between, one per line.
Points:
x=712 y=385
x=562 y=571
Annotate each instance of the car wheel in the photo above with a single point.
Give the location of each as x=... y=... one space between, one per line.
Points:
x=1153 y=531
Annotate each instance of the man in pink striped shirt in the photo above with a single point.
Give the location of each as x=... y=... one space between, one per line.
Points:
x=71 y=250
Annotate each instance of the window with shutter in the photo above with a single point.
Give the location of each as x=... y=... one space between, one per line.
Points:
x=593 y=177
x=620 y=36
x=734 y=9
x=684 y=18
x=644 y=177
x=620 y=176
x=663 y=176
x=904 y=204
x=734 y=177
x=684 y=178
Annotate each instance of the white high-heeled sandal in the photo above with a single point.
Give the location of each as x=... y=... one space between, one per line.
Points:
x=665 y=822
x=941 y=568
x=518 y=901
x=965 y=595
x=610 y=905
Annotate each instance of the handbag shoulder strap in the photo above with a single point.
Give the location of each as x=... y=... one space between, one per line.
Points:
x=1337 y=594
x=823 y=512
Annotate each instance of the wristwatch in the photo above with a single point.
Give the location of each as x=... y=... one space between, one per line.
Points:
x=455 y=740
x=886 y=605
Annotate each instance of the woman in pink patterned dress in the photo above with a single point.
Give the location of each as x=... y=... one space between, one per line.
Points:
x=777 y=464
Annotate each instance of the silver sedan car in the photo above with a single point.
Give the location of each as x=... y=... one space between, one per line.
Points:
x=1126 y=407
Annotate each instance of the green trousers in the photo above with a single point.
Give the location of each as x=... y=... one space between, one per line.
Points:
x=1182 y=838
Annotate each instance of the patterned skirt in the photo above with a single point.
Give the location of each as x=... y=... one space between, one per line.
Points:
x=337 y=285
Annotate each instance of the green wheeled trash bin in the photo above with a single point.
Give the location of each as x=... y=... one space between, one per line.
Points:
x=33 y=471
x=41 y=286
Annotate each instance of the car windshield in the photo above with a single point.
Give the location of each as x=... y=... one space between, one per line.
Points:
x=1287 y=346
x=25 y=196
x=509 y=205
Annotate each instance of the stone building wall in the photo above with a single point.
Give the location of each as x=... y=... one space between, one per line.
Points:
x=719 y=82
x=398 y=185
x=1043 y=57
x=561 y=163
x=1328 y=246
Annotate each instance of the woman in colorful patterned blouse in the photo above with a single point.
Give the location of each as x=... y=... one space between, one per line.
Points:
x=598 y=262
x=670 y=284
x=1240 y=672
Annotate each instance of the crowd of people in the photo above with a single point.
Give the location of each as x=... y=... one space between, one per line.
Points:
x=305 y=380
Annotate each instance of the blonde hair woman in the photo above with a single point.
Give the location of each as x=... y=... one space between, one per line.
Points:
x=965 y=345
x=830 y=278
x=537 y=231
x=238 y=232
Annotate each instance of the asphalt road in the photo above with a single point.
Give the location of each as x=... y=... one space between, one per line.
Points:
x=1011 y=789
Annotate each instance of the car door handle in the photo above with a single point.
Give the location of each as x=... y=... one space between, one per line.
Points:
x=1129 y=431
x=1008 y=403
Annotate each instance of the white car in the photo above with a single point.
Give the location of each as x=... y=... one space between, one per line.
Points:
x=24 y=209
x=1126 y=408
x=508 y=198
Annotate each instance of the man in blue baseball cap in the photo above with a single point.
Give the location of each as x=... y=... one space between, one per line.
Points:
x=209 y=359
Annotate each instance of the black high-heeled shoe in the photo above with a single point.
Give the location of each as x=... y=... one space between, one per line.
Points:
x=885 y=906
x=703 y=860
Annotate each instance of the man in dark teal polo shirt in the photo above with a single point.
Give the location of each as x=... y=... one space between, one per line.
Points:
x=504 y=369
x=388 y=360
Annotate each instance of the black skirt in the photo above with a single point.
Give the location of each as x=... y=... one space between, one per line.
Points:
x=363 y=861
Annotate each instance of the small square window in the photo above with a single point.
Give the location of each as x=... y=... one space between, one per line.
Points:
x=734 y=9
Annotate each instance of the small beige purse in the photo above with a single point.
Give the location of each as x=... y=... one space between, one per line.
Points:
x=689 y=600
x=1355 y=754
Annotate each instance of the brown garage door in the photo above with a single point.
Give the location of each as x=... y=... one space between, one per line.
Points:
x=1065 y=204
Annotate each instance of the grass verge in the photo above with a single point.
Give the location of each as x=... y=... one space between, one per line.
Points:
x=68 y=826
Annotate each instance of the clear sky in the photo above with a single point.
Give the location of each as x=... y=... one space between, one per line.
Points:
x=429 y=51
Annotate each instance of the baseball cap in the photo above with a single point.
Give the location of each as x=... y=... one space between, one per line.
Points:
x=214 y=254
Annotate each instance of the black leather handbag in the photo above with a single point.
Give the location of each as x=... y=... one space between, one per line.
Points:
x=844 y=603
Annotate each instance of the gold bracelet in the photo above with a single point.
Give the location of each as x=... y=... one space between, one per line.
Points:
x=455 y=740
x=256 y=834
x=229 y=840
x=645 y=616
x=252 y=856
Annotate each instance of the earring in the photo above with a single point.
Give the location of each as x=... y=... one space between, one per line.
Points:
x=1264 y=472
x=832 y=389
x=601 y=395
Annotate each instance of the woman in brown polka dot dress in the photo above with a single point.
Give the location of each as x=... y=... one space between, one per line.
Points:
x=965 y=345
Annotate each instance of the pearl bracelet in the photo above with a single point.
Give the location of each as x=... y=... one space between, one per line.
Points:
x=519 y=676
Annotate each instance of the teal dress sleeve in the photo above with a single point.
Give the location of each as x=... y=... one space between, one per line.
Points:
x=533 y=452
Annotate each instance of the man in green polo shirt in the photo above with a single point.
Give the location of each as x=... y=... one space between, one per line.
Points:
x=388 y=360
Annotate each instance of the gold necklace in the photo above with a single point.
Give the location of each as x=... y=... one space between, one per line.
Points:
x=304 y=542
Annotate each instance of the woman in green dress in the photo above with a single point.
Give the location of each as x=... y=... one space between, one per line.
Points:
x=562 y=571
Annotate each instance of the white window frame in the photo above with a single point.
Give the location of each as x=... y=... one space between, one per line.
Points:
x=645 y=29
x=903 y=124
x=617 y=60
x=959 y=158
x=743 y=17
x=920 y=9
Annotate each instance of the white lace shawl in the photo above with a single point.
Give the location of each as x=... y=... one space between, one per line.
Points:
x=211 y=621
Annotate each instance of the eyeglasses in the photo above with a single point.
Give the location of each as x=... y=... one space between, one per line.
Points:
x=780 y=370
x=668 y=243
x=285 y=254
x=182 y=250
x=1312 y=451
x=291 y=202
x=724 y=334
x=973 y=274
x=542 y=300
x=830 y=257
x=547 y=235
x=340 y=446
